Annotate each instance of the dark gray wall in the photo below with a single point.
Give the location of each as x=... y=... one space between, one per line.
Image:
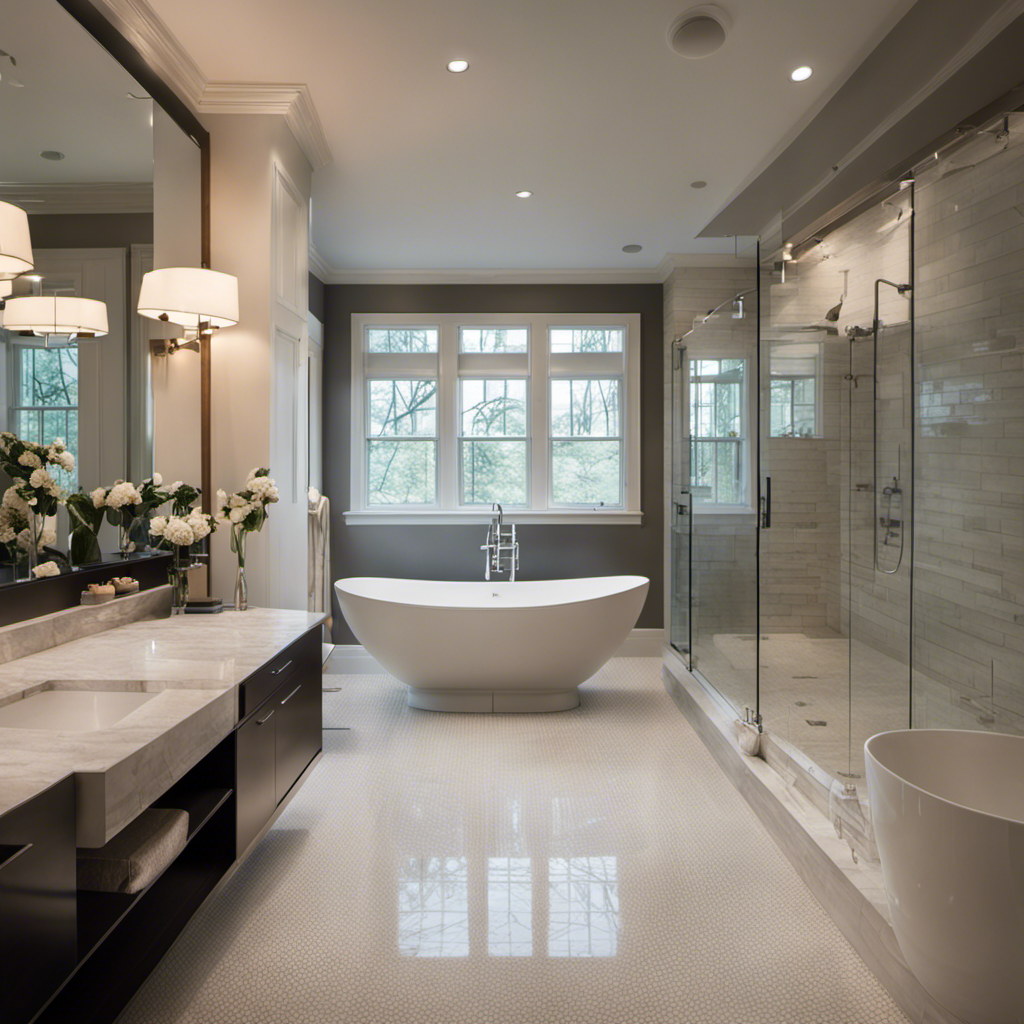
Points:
x=453 y=552
x=316 y=297
x=90 y=230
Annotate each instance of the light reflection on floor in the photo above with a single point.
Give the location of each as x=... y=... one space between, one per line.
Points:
x=593 y=865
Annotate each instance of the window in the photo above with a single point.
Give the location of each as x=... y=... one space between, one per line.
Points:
x=537 y=412
x=718 y=432
x=795 y=387
x=44 y=399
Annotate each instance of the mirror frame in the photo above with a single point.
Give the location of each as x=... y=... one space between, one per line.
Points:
x=111 y=39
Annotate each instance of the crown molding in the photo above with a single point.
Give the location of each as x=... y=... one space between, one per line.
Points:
x=318 y=265
x=98 y=197
x=290 y=100
x=145 y=30
x=594 y=275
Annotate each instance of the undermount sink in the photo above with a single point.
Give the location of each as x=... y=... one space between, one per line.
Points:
x=72 y=710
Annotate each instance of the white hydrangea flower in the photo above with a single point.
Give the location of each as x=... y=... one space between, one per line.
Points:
x=99 y=497
x=7 y=534
x=260 y=486
x=66 y=461
x=173 y=489
x=222 y=496
x=41 y=480
x=237 y=501
x=199 y=524
x=236 y=515
x=157 y=525
x=13 y=500
x=157 y=479
x=30 y=459
x=46 y=569
x=178 y=532
x=123 y=493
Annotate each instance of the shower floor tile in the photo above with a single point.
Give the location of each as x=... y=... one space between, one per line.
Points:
x=856 y=691
x=593 y=865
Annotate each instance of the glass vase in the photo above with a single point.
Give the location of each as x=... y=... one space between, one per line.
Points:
x=31 y=559
x=125 y=544
x=179 y=579
x=241 y=590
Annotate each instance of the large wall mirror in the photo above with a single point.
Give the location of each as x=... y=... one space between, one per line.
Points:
x=109 y=166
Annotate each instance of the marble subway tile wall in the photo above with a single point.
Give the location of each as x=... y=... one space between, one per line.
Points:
x=969 y=552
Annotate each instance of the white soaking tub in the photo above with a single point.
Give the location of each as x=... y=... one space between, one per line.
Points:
x=948 y=812
x=523 y=646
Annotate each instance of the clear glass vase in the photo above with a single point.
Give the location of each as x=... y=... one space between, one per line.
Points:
x=125 y=544
x=179 y=579
x=241 y=590
x=31 y=559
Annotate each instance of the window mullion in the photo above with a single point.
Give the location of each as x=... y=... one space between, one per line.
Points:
x=448 y=386
x=539 y=418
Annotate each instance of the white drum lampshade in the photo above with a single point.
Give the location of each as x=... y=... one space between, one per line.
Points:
x=190 y=297
x=45 y=315
x=15 y=242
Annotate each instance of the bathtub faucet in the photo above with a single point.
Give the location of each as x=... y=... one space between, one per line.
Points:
x=502 y=547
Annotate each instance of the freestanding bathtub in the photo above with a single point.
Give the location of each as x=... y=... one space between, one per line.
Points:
x=492 y=647
x=948 y=812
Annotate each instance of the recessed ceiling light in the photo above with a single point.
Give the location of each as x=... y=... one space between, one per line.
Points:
x=801 y=74
x=52 y=154
x=632 y=248
x=458 y=66
x=524 y=194
x=698 y=184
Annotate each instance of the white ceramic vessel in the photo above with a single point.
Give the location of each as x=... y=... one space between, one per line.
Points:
x=523 y=646
x=948 y=811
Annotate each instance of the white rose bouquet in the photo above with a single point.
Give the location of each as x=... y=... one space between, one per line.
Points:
x=245 y=512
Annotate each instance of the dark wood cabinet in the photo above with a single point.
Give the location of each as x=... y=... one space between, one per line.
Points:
x=38 y=919
x=256 y=775
x=299 y=733
x=281 y=735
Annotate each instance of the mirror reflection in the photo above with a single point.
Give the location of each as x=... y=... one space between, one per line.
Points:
x=78 y=167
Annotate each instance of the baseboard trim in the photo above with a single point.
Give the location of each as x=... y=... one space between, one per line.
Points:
x=642 y=643
x=824 y=863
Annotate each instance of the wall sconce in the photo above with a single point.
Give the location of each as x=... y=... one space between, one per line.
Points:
x=69 y=317
x=199 y=300
x=15 y=243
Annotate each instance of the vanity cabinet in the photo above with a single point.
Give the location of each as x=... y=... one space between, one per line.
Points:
x=281 y=735
x=38 y=921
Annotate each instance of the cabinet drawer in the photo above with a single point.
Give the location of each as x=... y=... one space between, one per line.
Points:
x=38 y=920
x=255 y=776
x=299 y=729
x=303 y=654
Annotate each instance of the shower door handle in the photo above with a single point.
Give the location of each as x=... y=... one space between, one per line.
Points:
x=766 y=504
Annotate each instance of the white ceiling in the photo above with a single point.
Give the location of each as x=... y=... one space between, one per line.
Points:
x=584 y=103
x=74 y=100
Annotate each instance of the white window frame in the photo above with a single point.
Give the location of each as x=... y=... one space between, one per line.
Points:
x=749 y=439
x=537 y=368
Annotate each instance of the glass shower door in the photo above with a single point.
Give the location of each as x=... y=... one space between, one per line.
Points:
x=680 y=511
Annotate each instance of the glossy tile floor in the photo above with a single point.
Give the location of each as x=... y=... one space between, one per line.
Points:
x=590 y=866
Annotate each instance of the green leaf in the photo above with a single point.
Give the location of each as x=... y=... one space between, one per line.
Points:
x=85 y=547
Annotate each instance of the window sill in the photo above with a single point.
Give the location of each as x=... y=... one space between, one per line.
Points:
x=473 y=517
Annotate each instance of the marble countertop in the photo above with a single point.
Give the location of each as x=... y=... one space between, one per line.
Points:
x=195 y=662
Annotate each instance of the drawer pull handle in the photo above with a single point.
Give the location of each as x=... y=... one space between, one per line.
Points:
x=292 y=694
x=278 y=671
x=261 y=721
x=14 y=854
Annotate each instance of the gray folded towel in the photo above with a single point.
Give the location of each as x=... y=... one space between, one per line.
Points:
x=137 y=854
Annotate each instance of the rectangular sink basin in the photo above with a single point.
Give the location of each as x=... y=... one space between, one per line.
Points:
x=72 y=710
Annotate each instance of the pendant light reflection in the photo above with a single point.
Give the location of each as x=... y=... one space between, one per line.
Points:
x=58 y=319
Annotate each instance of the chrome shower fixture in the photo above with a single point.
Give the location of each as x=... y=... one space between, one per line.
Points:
x=502 y=547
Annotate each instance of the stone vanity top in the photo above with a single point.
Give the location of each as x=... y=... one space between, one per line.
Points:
x=195 y=662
